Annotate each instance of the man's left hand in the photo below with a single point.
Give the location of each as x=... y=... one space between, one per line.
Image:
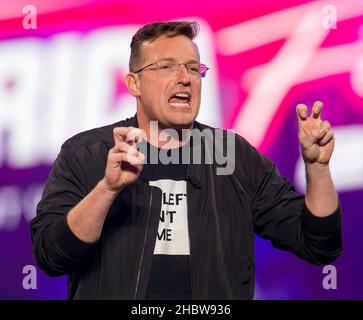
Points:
x=316 y=136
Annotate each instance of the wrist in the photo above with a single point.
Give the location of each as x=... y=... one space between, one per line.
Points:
x=317 y=167
x=107 y=190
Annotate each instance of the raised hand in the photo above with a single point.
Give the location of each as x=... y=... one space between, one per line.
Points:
x=124 y=162
x=316 y=136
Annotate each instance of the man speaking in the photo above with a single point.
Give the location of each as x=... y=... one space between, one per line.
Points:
x=123 y=223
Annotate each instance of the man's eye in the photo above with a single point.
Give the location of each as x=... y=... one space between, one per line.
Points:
x=165 y=66
x=194 y=69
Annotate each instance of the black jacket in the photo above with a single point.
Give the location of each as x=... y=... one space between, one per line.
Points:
x=224 y=212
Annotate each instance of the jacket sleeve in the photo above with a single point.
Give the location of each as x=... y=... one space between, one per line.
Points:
x=56 y=249
x=280 y=214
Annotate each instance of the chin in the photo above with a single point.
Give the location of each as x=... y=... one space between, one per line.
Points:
x=182 y=120
x=178 y=125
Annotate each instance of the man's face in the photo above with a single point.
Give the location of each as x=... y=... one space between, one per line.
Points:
x=171 y=99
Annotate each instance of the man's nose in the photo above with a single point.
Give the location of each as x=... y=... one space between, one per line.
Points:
x=183 y=75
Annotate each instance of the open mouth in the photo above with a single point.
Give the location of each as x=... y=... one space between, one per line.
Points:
x=181 y=100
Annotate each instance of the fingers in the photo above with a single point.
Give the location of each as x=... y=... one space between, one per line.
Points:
x=318 y=133
x=126 y=148
x=321 y=135
x=328 y=134
x=131 y=135
x=301 y=111
x=317 y=107
x=120 y=134
x=124 y=152
x=122 y=157
x=325 y=125
x=135 y=135
x=327 y=138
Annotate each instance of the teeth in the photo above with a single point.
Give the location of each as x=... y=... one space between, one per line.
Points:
x=182 y=95
x=178 y=104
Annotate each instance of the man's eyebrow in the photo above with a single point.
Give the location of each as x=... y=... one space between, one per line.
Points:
x=193 y=61
x=168 y=59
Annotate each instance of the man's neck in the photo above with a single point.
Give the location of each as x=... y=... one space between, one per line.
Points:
x=163 y=137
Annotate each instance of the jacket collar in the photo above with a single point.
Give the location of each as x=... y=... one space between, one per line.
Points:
x=194 y=171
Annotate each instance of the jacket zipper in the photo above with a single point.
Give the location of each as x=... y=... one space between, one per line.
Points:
x=190 y=263
x=143 y=248
x=190 y=243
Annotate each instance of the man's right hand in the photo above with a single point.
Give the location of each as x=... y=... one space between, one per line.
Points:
x=124 y=162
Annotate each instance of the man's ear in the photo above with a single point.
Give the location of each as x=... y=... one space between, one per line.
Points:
x=132 y=83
